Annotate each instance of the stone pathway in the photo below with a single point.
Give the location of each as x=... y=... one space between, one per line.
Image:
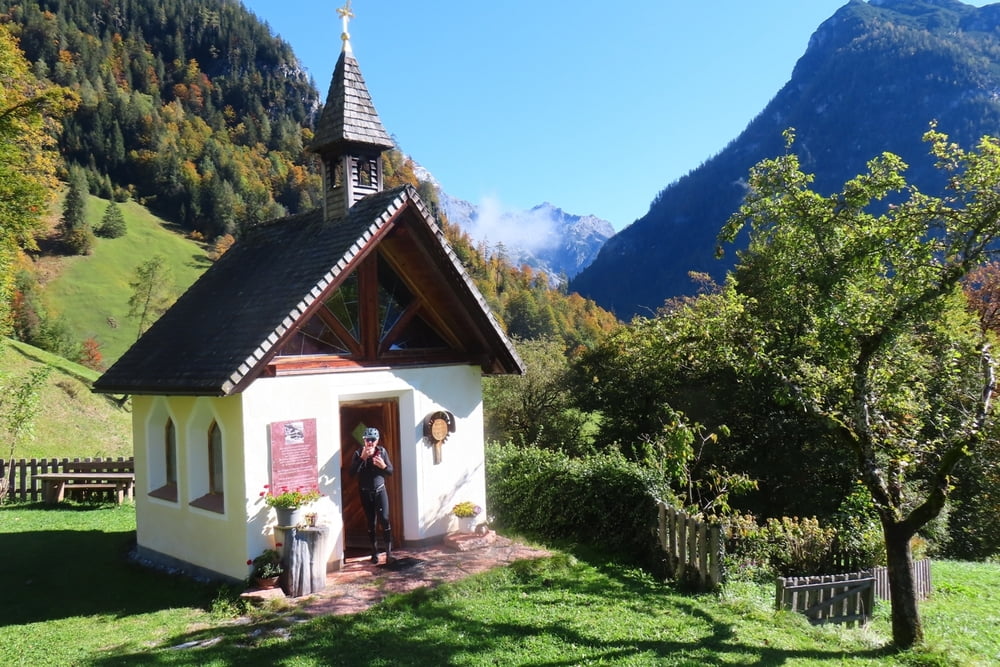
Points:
x=359 y=584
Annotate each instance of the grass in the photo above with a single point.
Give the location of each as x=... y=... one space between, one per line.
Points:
x=72 y=598
x=69 y=595
x=73 y=421
x=90 y=293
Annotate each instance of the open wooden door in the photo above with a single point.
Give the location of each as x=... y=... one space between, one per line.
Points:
x=355 y=417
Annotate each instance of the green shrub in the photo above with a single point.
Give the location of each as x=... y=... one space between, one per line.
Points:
x=859 y=542
x=80 y=241
x=602 y=501
x=791 y=546
x=781 y=547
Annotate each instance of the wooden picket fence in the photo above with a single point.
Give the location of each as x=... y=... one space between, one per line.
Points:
x=921 y=579
x=21 y=475
x=844 y=598
x=694 y=547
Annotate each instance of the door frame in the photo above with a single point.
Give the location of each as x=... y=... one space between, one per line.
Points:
x=355 y=415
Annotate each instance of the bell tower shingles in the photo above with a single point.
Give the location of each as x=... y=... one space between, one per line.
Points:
x=349 y=137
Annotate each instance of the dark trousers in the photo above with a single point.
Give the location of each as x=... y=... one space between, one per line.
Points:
x=376 y=506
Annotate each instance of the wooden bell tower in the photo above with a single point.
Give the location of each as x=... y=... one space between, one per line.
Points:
x=349 y=136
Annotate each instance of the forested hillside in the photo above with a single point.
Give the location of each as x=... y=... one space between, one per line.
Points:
x=872 y=79
x=194 y=110
x=190 y=106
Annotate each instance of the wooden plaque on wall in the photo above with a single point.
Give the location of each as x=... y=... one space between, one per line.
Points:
x=293 y=455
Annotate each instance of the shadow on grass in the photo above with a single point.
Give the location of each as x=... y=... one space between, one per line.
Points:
x=200 y=261
x=54 y=573
x=544 y=613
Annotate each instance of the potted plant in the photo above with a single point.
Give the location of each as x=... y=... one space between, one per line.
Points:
x=467 y=511
x=288 y=503
x=266 y=568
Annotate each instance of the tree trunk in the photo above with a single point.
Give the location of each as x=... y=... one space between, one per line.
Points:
x=906 y=628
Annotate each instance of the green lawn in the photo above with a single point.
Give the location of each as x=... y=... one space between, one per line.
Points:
x=70 y=597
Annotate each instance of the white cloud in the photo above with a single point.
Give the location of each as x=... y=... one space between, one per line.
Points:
x=529 y=230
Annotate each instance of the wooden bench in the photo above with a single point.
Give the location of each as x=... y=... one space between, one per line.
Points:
x=116 y=476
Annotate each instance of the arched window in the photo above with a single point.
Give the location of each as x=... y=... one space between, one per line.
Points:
x=163 y=464
x=209 y=478
x=216 y=479
x=170 y=452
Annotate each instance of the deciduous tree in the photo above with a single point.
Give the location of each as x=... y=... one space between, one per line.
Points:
x=852 y=302
x=28 y=109
x=537 y=408
x=151 y=289
x=18 y=407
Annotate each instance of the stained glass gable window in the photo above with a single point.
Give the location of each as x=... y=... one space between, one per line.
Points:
x=344 y=304
x=417 y=335
x=316 y=337
x=393 y=299
x=336 y=328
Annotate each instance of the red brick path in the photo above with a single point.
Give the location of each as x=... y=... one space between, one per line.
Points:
x=361 y=584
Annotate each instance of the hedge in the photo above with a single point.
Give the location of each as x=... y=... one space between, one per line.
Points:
x=602 y=501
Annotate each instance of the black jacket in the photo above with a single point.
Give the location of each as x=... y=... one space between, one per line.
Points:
x=370 y=476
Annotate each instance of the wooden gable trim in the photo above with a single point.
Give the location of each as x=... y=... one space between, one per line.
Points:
x=305 y=365
x=368 y=305
x=362 y=248
x=411 y=248
x=369 y=353
x=457 y=330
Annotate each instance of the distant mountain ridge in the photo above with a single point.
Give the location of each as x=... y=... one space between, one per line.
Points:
x=545 y=237
x=873 y=77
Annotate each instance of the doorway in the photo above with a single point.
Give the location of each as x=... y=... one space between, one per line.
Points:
x=355 y=417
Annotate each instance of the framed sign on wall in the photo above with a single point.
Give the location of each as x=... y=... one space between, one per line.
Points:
x=293 y=455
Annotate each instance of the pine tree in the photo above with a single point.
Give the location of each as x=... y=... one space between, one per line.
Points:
x=75 y=229
x=112 y=222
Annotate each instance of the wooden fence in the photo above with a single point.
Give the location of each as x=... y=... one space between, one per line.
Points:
x=21 y=475
x=694 y=547
x=921 y=580
x=844 y=598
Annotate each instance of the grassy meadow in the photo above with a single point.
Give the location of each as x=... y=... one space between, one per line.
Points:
x=91 y=292
x=73 y=421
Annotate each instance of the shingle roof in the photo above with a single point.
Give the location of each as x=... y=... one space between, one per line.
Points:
x=349 y=115
x=217 y=336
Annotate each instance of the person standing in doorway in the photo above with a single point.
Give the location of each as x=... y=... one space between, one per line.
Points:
x=371 y=465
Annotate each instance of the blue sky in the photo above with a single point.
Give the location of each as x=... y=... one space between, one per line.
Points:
x=592 y=106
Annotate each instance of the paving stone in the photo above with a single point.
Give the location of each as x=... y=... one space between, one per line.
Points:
x=359 y=584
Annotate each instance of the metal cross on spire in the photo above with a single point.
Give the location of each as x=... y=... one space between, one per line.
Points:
x=346 y=15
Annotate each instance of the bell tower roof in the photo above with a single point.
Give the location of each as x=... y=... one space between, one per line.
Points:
x=349 y=116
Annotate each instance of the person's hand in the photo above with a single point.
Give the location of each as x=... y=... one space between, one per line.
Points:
x=378 y=461
x=368 y=450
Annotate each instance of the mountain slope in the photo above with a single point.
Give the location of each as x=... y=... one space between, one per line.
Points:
x=74 y=422
x=90 y=293
x=190 y=106
x=546 y=238
x=872 y=79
